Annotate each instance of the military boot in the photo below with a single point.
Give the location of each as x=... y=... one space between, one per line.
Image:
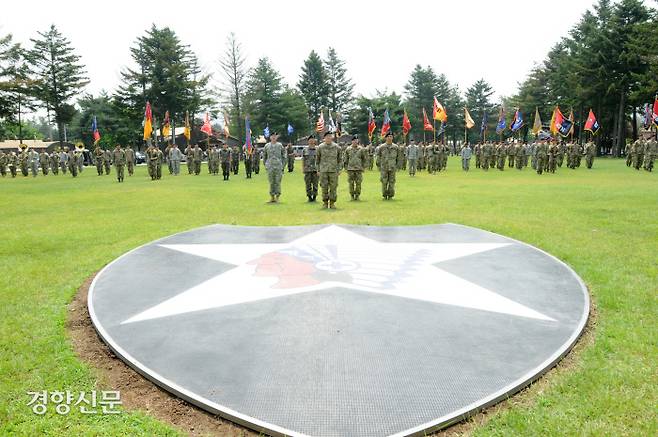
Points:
x=272 y=199
x=332 y=205
x=325 y=204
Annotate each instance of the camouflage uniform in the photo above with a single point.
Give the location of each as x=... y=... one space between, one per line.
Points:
x=33 y=161
x=247 y=155
x=235 y=159
x=541 y=151
x=501 y=153
x=638 y=154
x=511 y=155
x=412 y=158
x=274 y=155
x=44 y=162
x=561 y=148
x=466 y=153
x=213 y=160
x=175 y=156
x=255 y=160
x=402 y=157
x=12 y=162
x=486 y=156
x=356 y=160
x=552 y=157
x=159 y=162
x=387 y=155
x=290 y=155
x=73 y=163
x=3 y=163
x=54 y=162
x=650 y=152
x=119 y=159
x=189 y=159
x=328 y=159
x=225 y=157
x=63 y=160
x=628 y=151
x=310 y=168
x=590 y=153
x=477 y=151
x=130 y=160
x=98 y=160
x=107 y=161
x=197 y=156
x=152 y=162
x=519 y=156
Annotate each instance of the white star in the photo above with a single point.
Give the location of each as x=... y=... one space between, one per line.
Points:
x=334 y=257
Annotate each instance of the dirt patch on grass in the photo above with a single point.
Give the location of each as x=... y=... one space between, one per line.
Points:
x=138 y=393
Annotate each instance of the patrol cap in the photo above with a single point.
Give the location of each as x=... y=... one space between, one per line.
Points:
x=355 y=137
x=310 y=137
x=388 y=134
x=326 y=133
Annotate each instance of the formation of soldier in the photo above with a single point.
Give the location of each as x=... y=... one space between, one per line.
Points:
x=642 y=153
x=29 y=161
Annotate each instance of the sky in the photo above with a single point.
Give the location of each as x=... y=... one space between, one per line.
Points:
x=380 y=41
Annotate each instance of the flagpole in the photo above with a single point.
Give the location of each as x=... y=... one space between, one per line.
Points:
x=434 y=126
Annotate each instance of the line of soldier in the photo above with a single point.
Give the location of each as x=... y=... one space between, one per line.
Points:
x=642 y=152
x=28 y=161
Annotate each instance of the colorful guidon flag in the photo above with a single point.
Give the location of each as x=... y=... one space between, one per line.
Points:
x=502 y=123
x=94 y=129
x=371 y=123
x=426 y=122
x=166 y=126
x=207 y=128
x=406 y=124
x=537 y=126
x=468 y=120
x=148 y=122
x=517 y=122
x=654 y=116
x=438 y=112
x=227 y=122
x=247 y=135
x=319 y=126
x=386 y=126
x=485 y=121
x=187 y=132
x=592 y=125
x=560 y=124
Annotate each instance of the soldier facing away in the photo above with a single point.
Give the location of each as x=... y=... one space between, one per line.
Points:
x=107 y=161
x=44 y=162
x=290 y=155
x=274 y=155
x=175 y=157
x=119 y=159
x=98 y=159
x=387 y=155
x=412 y=157
x=310 y=169
x=590 y=153
x=355 y=162
x=225 y=157
x=466 y=153
x=130 y=160
x=329 y=164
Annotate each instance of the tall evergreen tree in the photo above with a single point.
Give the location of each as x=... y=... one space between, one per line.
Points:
x=478 y=101
x=9 y=56
x=60 y=75
x=340 y=86
x=233 y=68
x=314 y=85
x=420 y=91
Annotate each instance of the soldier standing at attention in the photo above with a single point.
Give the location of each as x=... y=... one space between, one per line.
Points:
x=213 y=160
x=255 y=163
x=502 y=154
x=520 y=156
x=329 y=164
x=63 y=159
x=402 y=158
x=310 y=169
x=152 y=161
x=541 y=151
x=54 y=162
x=175 y=157
x=274 y=155
x=638 y=154
x=197 y=156
x=552 y=157
x=44 y=162
x=79 y=157
x=466 y=153
x=511 y=154
x=73 y=162
x=159 y=162
x=290 y=154
x=119 y=159
x=33 y=160
x=225 y=157
x=486 y=155
x=561 y=148
x=477 y=151
x=12 y=162
x=590 y=153
x=3 y=163
x=166 y=154
x=387 y=155
x=130 y=160
x=107 y=161
x=355 y=161
x=247 y=155
x=412 y=157
x=98 y=159
x=650 y=152
x=189 y=159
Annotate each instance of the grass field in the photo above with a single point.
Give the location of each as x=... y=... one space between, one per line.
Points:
x=56 y=231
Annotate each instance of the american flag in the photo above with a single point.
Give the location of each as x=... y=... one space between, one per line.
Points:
x=319 y=126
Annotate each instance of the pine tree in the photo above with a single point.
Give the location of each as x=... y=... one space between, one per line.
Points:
x=314 y=85
x=232 y=65
x=340 y=86
x=59 y=73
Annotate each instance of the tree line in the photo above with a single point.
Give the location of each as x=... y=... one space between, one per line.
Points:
x=608 y=61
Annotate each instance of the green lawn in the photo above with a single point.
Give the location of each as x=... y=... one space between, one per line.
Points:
x=56 y=231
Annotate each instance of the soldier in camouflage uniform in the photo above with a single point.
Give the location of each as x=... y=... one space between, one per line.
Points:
x=638 y=154
x=23 y=163
x=561 y=149
x=189 y=158
x=225 y=157
x=552 y=157
x=107 y=161
x=130 y=160
x=486 y=155
x=519 y=155
x=197 y=156
x=152 y=161
x=290 y=156
x=387 y=155
x=3 y=163
x=402 y=157
x=54 y=162
x=628 y=151
x=72 y=161
x=310 y=169
x=274 y=157
x=64 y=159
x=501 y=153
x=438 y=155
x=213 y=160
x=175 y=157
x=355 y=161
x=541 y=151
x=159 y=162
x=235 y=159
x=511 y=154
x=329 y=163
x=98 y=160
x=12 y=162
x=119 y=159
x=166 y=156
x=590 y=153
x=247 y=155
x=44 y=162
x=255 y=162
x=80 y=157
x=412 y=157
x=650 y=152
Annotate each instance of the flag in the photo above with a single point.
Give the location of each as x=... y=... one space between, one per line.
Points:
x=406 y=124
x=319 y=126
x=591 y=124
x=439 y=112
x=290 y=129
x=562 y=125
x=426 y=122
x=339 y=124
x=468 y=119
x=536 y=126
x=247 y=135
x=485 y=121
x=502 y=123
x=572 y=123
x=266 y=131
x=553 y=128
x=386 y=126
x=94 y=128
x=166 y=127
x=442 y=129
x=371 y=123
x=517 y=122
x=647 y=116
x=332 y=126
x=148 y=121
x=207 y=128
x=187 y=133
x=654 y=116
x=227 y=122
